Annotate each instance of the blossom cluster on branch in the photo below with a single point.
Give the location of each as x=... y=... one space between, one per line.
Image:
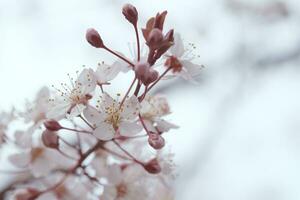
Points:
x=77 y=141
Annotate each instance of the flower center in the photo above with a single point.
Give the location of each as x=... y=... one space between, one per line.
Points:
x=121 y=190
x=36 y=153
x=174 y=63
x=113 y=116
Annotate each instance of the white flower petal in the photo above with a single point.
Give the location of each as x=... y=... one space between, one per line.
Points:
x=130 y=108
x=107 y=102
x=110 y=193
x=59 y=110
x=191 y=68
x=106 y=73
x=164 y=126
x=149 y=125
x=129 y=128
x=115 y=175
x=20 y=159
x=77 y=110
x=121 y=64
x=86 y=81
x=178 y=48
x=93 y=116
x=133 y=173
x=104 y=131
x=23 y=139
x=41 y=167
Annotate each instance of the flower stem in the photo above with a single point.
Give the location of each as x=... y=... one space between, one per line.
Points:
x=129 y=89
x=138 y=43
x=119 y=56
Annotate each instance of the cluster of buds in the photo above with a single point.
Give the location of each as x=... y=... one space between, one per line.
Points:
x=80 y=142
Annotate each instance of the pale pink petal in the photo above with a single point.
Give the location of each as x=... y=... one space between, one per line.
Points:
x=192 y=68
x=77 y=110
x=130 y=108
x=107 y=102
x=109 y=193
x=41 y=167
x=129 y=128
x=178 y=48
x=121 y=64
x=149 y=124
x=93 y=116
x=86 y=81
x=114 y=174
x=58 y=110
x=165 y=126
x=104 y=131
x=20 y=159
x=23 y=139
x=133 y=173
x=106 y=73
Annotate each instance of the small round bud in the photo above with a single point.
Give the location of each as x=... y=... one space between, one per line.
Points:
x=50 y=139
x=155 y=38
x=152 y=76
x=141 y=69
x=93 y=37
x=52 y=125
x=152 y=166
x=156 y=141
x=144 y=73
x=130 y=13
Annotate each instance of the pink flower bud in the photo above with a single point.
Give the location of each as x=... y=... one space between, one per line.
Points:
x=52 y=125
x=156 y=141
x=152 y=166
x=130 y=13
x=28 y=194
x=155 y=38
x=146 y=74
x=150 y=77
x=141 y=69
x=50 y=139
x=93 y=37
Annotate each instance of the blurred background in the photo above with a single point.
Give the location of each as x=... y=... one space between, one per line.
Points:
x=240 y=127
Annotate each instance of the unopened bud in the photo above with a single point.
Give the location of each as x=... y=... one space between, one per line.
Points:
x=156 y=141
x=141 y=69
x=130 y=13
x=52 y=125
x=152 y=76
x=152 y=166
x=155 y=38
x=160 y=20
x=50 y=139
x=93 y=37
x=170 y=36
x=146 y=74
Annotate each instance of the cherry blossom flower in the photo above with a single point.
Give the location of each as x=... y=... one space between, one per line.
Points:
x=36 y=110
x=153 y=108
x=113 y=117
x=89 y=148
x=125 y=184
x=72 y=101
x=167 y=164
x=39 y=160
x=180 y=60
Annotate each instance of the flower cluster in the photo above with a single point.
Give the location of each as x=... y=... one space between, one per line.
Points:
x=77 y=141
